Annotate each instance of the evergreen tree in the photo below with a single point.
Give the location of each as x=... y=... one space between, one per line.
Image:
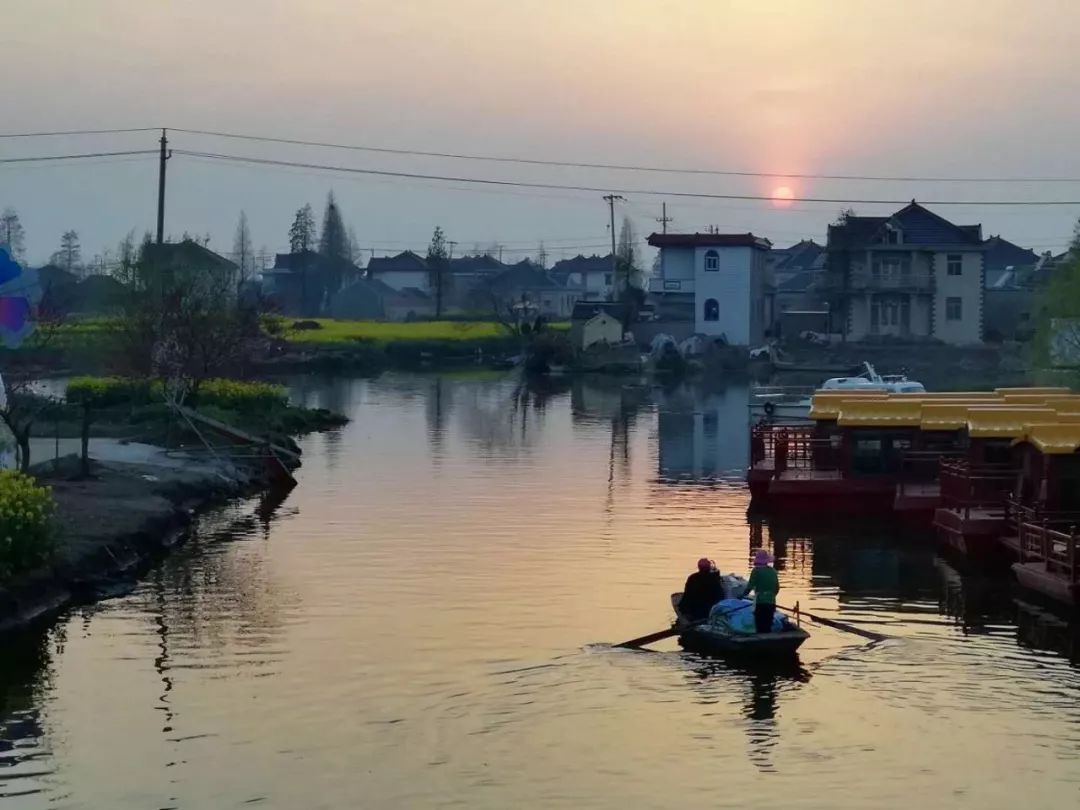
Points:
x=69 y=256
x=628 y=272
x=335 y=240
x=12 y=235
x=302 y=231
x=243 y=253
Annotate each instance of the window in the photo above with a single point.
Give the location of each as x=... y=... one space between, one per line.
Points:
x=954 y=310
x=712 y=260
x=712 y=309
x=607 y=279
x=891 y=236
x=955 y=264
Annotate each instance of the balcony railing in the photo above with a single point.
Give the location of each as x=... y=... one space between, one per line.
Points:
x=671 y=285
x=866 y=281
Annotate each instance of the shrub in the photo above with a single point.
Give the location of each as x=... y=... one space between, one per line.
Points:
x=244 y=397
x=105 y=392
x=26 y=511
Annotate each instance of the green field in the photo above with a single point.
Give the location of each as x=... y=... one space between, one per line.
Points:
x=333 y=331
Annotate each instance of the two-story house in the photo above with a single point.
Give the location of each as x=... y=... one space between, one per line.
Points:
x=593 y=275
x=911 y=274
x=719 y=281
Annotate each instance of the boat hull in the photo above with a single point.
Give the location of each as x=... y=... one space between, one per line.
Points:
x=705 y=641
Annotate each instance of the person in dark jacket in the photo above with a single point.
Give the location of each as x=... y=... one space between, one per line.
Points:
x=703 y=590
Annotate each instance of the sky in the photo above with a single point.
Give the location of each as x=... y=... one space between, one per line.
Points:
x=923 y=88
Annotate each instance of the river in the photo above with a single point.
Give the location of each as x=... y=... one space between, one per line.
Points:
x=424 y=621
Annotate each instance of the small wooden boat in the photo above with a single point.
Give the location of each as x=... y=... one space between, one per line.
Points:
x=704 y=639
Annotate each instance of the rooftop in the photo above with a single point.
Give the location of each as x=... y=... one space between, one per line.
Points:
x=672 y=240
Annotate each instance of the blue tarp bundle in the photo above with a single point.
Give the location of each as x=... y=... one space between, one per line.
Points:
x=737 y=616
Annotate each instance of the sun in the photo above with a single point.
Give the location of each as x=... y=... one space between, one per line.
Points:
x=782 y=197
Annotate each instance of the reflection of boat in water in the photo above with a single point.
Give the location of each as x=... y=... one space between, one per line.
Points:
x=710 y=640
x=794 y=403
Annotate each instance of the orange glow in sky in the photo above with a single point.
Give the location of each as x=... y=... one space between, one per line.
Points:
x=782 y=197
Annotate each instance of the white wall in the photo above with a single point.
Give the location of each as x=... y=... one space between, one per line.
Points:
x=731 y=287
x=678 y=264
x=596 y=283
x=400 y=279
x=968 y=287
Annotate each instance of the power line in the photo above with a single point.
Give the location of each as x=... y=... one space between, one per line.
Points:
x=622 y=166
x=42 y=158
x=76 y=132
x=603 y=189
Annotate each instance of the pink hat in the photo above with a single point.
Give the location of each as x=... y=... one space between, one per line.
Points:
x=762 y=557
x=704 y=564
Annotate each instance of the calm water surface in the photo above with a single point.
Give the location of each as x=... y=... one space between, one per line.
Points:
x=422 y=623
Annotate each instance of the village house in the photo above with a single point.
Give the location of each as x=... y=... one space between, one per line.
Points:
x=303 y=284
x=719 y=282
x=913 y=274
x=403 y=271
x=525 y=289
x=592 y=275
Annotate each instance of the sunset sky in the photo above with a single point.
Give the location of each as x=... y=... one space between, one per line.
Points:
x=921 y=88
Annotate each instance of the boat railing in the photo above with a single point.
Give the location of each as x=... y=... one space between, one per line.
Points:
x=1056 y=548
x=1018 y=512
x=922 y=466
x=792 y=447
x=965 y=486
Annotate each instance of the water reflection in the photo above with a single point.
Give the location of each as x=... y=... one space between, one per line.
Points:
x=763 y=685
x=702 y=432
x=465 y=525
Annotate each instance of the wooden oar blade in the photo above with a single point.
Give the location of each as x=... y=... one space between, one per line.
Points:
x=847 y=628
x=649 y=639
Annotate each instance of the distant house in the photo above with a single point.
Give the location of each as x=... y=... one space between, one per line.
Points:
x=1005 y=263
x=911 y=274
x=404 y=270
x=806 y=256
x=719 y=281
x=593 y=275
x=190 y=259
x=596 y=321
x=303 y=284
x=527 y=289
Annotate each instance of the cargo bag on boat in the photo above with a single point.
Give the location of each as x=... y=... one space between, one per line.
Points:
x=736 y=616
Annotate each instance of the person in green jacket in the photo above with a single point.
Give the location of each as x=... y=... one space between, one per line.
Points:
x=764 y=581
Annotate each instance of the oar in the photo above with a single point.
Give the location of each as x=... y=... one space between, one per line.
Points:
x=674 y=630
x=835 y=624
x=634 y=643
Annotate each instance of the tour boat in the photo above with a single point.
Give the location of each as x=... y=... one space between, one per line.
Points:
x=704 y=639
x=794 y=403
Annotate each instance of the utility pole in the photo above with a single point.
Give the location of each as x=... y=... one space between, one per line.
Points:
x=664 y=219
x=164 y=155
x=611 y=198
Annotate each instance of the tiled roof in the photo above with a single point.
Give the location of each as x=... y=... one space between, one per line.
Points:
x=406 y=260
x=661 y=240
x=583 y=264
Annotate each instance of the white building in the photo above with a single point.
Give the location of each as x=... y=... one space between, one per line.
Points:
x=720 y=281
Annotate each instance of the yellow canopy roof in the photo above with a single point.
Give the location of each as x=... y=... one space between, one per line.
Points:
x=880 y=413
x=1053 y=439
x=825 y=405
x=1034 y=390
x=944 y=415
x=1035 y=399
x=949 y=395
x=1003 y=421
